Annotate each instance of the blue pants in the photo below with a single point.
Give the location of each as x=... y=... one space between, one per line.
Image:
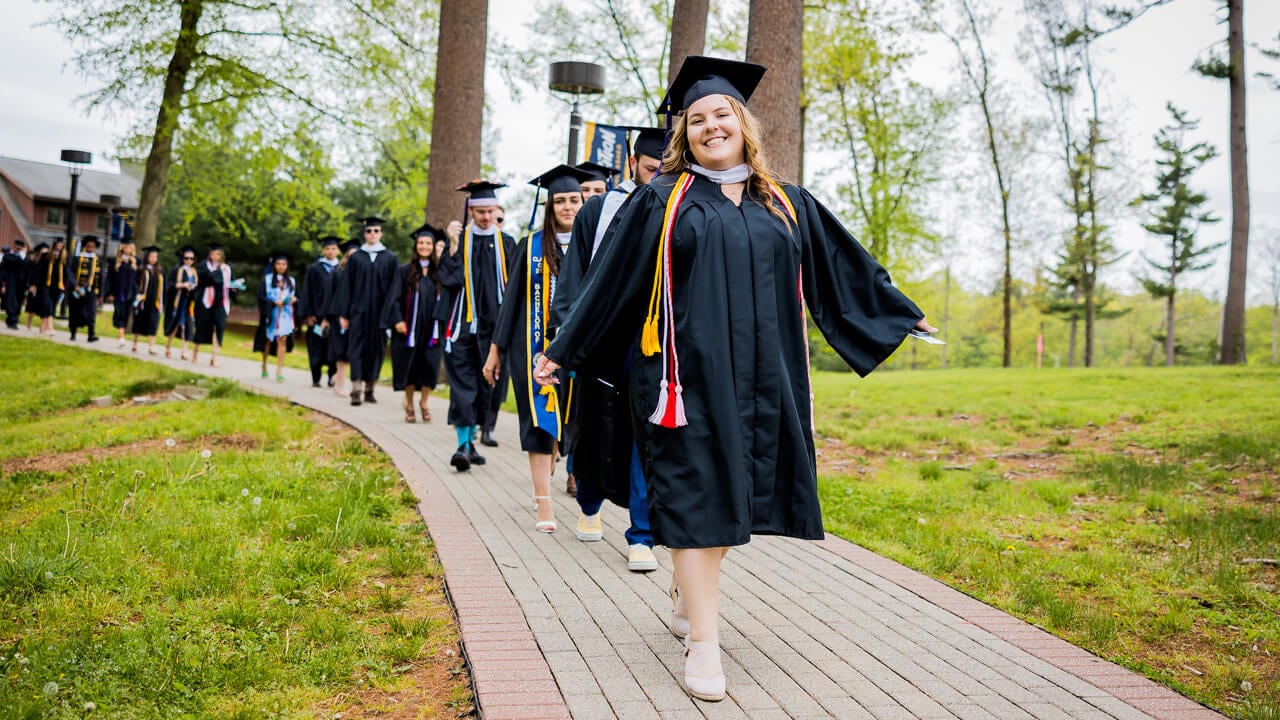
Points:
x=590 y=500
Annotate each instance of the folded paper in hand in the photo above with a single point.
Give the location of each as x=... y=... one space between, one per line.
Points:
x=926 y=337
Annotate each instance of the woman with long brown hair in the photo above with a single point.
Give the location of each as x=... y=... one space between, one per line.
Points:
x=520 y=334
x=410 y=313
x=51 y=284
x=714 y=329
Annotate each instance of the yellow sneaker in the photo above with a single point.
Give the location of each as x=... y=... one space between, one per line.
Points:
x=640 y=558
x=589 y=528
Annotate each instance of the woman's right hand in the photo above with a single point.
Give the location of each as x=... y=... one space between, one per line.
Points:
x=453 y=231
x=544 y=371
x=402 y=328
x=491 y=365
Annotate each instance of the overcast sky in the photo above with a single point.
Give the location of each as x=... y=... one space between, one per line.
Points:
x=1145 y=65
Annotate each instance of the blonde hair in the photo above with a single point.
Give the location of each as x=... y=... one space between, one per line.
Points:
x=678 y=157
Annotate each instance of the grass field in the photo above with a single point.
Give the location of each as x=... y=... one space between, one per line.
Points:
x=1133 y=512
x=235 y=557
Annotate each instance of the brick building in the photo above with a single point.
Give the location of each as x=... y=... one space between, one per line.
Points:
x=35 y=198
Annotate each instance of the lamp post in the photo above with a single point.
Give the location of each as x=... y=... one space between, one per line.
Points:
x=111 y=202
x=76 y=160
x=576 y=78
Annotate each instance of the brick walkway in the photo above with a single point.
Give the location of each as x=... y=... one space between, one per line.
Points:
x=556 y=628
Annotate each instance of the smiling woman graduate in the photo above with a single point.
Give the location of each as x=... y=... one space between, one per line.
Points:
x=521 y=332
x=720 y=370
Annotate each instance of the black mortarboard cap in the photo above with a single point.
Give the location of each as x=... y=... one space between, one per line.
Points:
x=596 y=171
x=89 y=239
x=648 y=141
x=330 y=240
x=184 y=250
x=350 y=245
x=481 y=192
x=280 y=256
x=214 y=246
x=426 y=229
x=19 y=242
x=41 y=246
x=562 y=179
x=701 y=76
x=150 y=249
x=373 y=221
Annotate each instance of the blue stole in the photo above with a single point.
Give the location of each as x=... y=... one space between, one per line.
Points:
x=540 y=288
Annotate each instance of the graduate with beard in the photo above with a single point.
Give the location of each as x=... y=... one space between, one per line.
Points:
x=474 y=271
x=317 y=287
x=521 y=331
x=84 y=283
x=715 y=334
x=412 y=314
x=366 y=280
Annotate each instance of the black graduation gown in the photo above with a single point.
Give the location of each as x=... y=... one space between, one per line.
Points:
x=122 y=286
x=179 y=304
x=469 y=395
x=13 y=276
x=211 y=320
x=146 y=313
x=745 y=462
x=367 y=279
x=50 y=281
x=333 y=307
x=265 y=308
x=317 y=287
x=419 y=309
x=84 y=282
x=509 y=335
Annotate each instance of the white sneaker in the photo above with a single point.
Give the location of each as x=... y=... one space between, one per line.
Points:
x=640 y=558
x=589 y=528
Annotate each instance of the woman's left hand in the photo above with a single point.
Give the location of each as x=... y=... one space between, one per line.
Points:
x=544 y=371
x=924 y=326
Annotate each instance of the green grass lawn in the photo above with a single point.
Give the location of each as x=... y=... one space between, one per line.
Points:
x=1124 y=510
x=235 y=557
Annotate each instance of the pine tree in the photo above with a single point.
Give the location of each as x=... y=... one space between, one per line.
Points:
x=1179 y=216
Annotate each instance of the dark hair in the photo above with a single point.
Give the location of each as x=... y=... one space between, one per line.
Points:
x=415 y=268
x=551 y=254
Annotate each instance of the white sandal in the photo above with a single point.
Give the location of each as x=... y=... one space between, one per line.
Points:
x=703 y=673
x=679 y=625
x=546 y=526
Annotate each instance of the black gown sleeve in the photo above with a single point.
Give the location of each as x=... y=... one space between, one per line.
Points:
x=573 y=267
x=512 y=298
x=392 y=311
x=337 y=301
x=606 y=316
x=850 y=296
x=451 y=270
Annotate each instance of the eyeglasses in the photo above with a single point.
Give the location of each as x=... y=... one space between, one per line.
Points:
x=372 y=230
x=188 y=257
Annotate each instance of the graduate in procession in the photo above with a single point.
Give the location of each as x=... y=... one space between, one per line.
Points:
x=520 y=333
x=605 y=459
x=277 y=294
x=597 y=181
x=213 y=302
x=474 y=272
x=366 y=280
x=13 y=278
x=317 y=287
x=715 y=334
x=334 y=306
x=122 y=287
x=179 y=302
x=50 y=282
x=83 y=280
x=148 y=304
x=416 y=317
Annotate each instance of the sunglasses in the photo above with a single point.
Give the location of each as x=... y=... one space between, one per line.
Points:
x=188 y=257
x=372 y=230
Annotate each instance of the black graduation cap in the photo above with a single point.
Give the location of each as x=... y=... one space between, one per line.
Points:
x=649 y=141
x=280 y=256
x=701 y=76
x=214 y=247
x=481 y=192
x=596 y=171
x=350 y=245
x=89 y=239
x=19 y=242
x=41 y=246
x=373 y=221
x=150 y=249
x=562 y=179
x=330 y=240
x=184 y=250
x=426 y=229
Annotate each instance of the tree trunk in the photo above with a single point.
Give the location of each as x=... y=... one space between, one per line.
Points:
x=775 y=38
x=1170 y=342
x=156 y=174
x=688 y=33
x=458 y=106
x=1233 y=312
x=1275 y=334
x=946 y=311
x=1071 y=347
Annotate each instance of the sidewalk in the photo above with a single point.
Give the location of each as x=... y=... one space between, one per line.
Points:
x=555 y=628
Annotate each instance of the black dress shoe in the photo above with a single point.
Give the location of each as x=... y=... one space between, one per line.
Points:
x=73 y=335
x=315 y=384
x=93 y=338
x=355 y=399
x=368 y=397
x=486 y=439
x=330 y=381
x=461 y=461
x=475 y=457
